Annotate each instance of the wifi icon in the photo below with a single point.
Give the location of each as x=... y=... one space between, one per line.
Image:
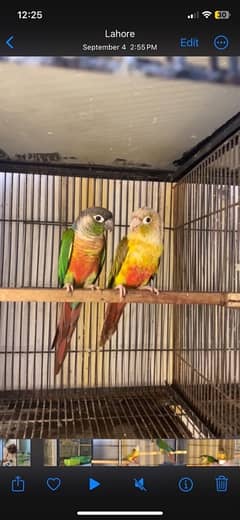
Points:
x=206 y=14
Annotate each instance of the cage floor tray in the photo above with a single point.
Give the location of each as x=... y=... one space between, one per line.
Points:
x=105 y=413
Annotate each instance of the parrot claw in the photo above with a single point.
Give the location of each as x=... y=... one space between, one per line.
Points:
x=122 y=290
x=153 y=290
x=68 y=287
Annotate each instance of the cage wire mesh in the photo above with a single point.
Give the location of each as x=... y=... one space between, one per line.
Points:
x=169 y=371
x=207 y=258
x=36 y=210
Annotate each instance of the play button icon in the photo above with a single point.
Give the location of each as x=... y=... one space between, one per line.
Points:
x=93 y=484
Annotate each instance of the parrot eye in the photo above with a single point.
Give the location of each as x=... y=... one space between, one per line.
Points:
x=99 y=218
x=147 y=220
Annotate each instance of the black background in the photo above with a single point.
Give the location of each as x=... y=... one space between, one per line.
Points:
x=117 y=492
x=64 y=30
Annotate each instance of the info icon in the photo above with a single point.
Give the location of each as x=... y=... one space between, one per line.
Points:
x=185 y=484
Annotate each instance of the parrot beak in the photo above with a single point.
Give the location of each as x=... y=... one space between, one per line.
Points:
x=134 y=223
x=109 y=224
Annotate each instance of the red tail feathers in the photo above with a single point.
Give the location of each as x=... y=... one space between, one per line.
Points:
x=66 y=326
x=112 y=317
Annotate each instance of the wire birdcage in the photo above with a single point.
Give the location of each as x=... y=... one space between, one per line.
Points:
x=170 y=370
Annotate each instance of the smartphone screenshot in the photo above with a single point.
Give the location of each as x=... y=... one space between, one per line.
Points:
x=120 y=263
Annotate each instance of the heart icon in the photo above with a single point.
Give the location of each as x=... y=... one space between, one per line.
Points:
x=54 y=483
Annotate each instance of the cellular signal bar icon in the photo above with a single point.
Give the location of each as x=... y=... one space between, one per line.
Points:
x=193 y=16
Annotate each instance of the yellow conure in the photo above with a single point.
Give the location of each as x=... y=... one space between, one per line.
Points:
x=136 y=262
x=133 y=455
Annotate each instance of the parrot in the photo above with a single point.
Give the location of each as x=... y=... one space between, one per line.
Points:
x=208 y=459
x=136 y=262
x=165 y=448
x=133 y=455
x=81 y=258
x=77 y=461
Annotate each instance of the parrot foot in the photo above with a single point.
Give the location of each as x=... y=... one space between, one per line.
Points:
x=68 y=287
x=93 y=287
x=149 y=288
x=122 y=290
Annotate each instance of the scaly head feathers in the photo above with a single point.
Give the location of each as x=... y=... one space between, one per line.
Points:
x=94 y=221
x=146 y=222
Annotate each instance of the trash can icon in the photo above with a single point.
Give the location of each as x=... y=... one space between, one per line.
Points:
x=221 y=484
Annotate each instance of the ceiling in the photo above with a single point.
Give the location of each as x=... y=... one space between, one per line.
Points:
x=72 y=116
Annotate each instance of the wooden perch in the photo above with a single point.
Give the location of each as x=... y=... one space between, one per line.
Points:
x=110 y=295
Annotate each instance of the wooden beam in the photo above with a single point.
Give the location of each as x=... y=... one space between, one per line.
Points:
x=110 y=295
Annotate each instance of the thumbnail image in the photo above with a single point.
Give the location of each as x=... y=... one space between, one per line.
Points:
x=119 y=174
x=15 y=452
x=153 y=453
x=106 y=452
x=68 y=452
x=213 y=452
x=138 y=452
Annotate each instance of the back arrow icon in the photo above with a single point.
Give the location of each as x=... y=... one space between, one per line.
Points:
x=8 y=42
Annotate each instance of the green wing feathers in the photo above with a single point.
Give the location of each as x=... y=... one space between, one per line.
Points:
x=120 y=256
x=103 y=256
x=65 y=254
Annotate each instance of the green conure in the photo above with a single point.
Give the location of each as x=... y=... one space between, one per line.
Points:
x=165 y=449
x=164 y=446
x=208 y=459
x=81 y=258
x=77 y=461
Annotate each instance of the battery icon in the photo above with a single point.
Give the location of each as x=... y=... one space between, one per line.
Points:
x=222 y=15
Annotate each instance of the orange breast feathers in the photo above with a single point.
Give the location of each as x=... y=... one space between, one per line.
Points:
x=140 y=264
x=85 y=260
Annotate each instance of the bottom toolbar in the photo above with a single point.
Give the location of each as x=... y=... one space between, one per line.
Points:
x=102 y=478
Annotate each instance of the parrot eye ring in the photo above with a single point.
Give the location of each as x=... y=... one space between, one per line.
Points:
x=99 y=218
x=147 y=220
